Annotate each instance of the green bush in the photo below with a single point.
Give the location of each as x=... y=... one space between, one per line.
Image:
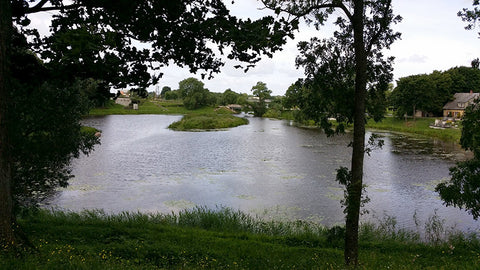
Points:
x=207 y=122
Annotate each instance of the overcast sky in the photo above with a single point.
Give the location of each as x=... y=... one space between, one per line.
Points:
x=433 y=38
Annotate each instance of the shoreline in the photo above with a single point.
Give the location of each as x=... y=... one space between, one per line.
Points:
x=421 y=126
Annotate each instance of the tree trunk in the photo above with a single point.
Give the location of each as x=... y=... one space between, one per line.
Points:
x=7 y=237
x=414 y=112
x=354 y=189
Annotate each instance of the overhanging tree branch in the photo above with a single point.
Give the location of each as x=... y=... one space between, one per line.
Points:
x=304 y=12
x=53 y=8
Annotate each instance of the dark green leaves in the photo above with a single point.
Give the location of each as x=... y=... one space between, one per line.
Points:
x=463 y=189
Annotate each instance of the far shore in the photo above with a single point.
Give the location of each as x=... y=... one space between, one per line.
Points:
x=419 y=126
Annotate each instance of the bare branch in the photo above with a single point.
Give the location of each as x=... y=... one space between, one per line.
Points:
x=308 y=10
x=40 y=7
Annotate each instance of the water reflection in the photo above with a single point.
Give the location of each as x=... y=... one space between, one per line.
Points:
x=268 y=168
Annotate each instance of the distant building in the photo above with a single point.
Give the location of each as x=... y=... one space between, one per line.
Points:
x=457 y=107
x=123 y=101
x=235 y=107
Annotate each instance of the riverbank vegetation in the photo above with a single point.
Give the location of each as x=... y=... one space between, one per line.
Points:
x=420 y=126
x=224 y=239
x=146 y=106
x=207 y=121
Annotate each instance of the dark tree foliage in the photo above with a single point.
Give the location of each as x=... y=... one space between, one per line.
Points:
x=463 y=189
x=471 y=16
x=364 y=33
x=430 y=92
x=99 y=39
x=172 y=95
x=330 y=84
x=464 y=79
x=475 y=63
x=165 y=89
x=260 y=91
x=114 y=44
x=229 y=97
x=194 y=95
x=140 y=92
x=413 y=93
x=44 y=129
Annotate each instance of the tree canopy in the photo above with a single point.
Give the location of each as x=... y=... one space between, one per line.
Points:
x=111 y=42
x=260 y=91
x=43 y=141
x=463 y=189
x=430 y=92
x=194 y=95
x=330 y=83
x=116 y=44
x=364 y=32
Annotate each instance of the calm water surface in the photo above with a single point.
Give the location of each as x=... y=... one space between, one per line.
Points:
x=268 y=168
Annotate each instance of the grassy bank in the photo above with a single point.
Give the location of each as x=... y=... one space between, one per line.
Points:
x=419 y=126
x=222 y=239
x=207 y=121
x=149 y=107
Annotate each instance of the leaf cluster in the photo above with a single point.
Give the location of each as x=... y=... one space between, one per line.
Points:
x=463 y=189
x=470 y=16
x=261 y=91
x=44 y=129
x=329 y=86
x=194 y=95
x=344 y=177
x=122 y=42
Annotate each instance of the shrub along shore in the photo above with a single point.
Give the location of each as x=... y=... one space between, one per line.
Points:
x=224 y=239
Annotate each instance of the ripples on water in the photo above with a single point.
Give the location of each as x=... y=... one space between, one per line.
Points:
x=268 y=168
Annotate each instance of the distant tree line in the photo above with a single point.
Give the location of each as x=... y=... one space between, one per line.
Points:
x=430 y=92
x=194 y=95
x=317 y=96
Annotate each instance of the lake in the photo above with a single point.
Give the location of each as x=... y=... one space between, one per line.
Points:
x=268 y=168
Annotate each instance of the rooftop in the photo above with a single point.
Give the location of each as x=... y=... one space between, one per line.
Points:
x=461 y=101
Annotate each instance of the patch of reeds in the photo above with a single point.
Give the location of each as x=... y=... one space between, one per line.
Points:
x=224 y=238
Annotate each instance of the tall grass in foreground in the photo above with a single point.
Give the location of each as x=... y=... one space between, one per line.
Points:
x=223 y=239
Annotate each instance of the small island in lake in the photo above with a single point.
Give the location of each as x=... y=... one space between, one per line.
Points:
x=207 y=121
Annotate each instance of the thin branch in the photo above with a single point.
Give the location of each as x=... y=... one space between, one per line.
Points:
x=339 y=5
x=39 y=8
x=39 y=5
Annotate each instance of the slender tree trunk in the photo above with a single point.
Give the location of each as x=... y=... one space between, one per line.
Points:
x=6 y=205
x=414 y=112
x=355 y=187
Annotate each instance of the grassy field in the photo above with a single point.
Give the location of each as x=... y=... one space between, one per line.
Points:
x=221 y=239
x=419 y=126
